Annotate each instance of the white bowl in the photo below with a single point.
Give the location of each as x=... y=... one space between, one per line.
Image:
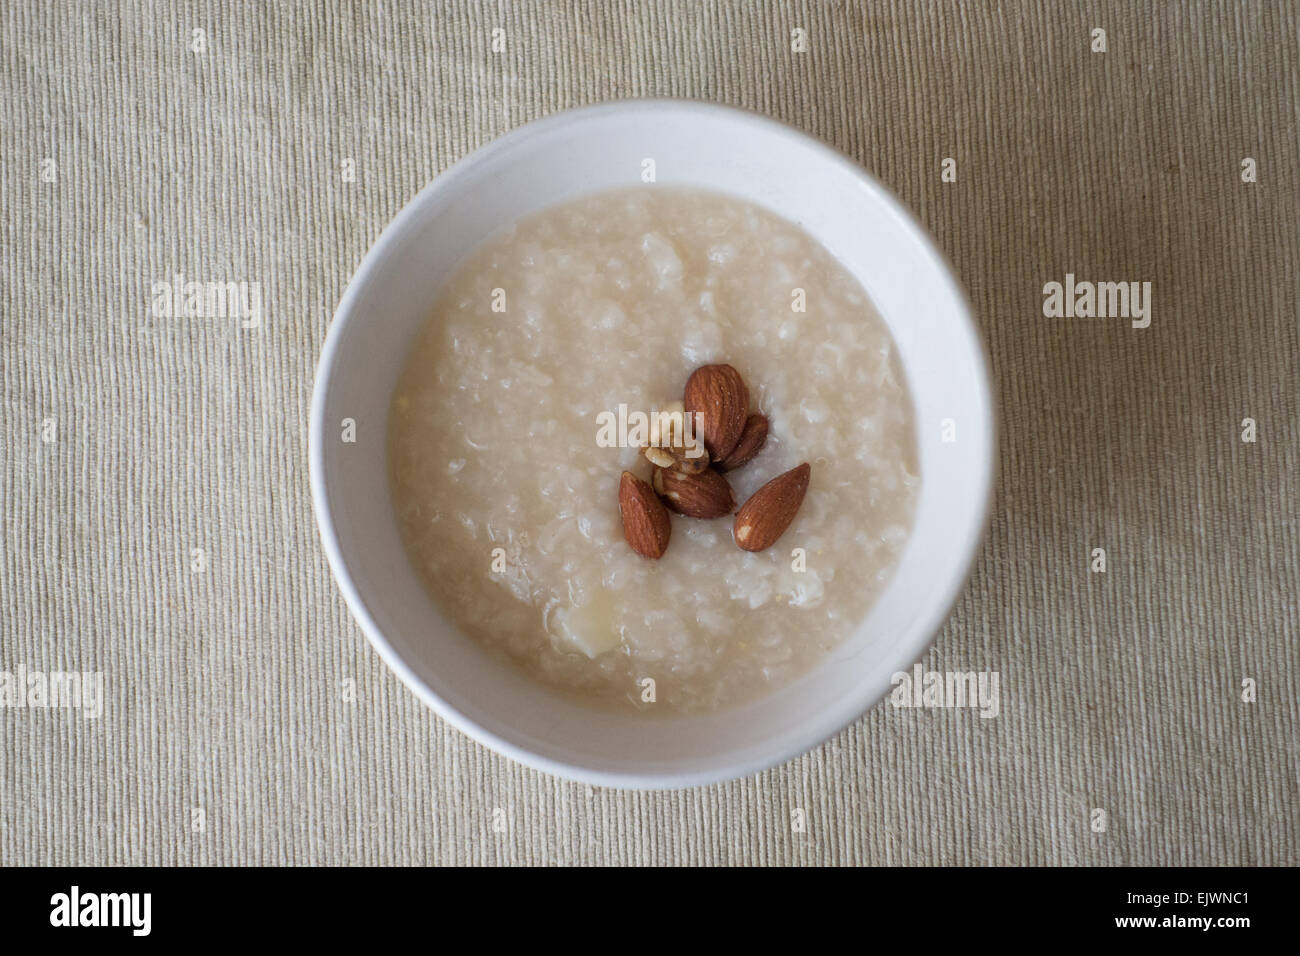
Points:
x=554 y=160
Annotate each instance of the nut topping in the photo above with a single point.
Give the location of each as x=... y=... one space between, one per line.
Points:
x=718 y=395
x=765 y=516
x=703 y=495
x=751 y=443
x=728 y=437
x=646 y=524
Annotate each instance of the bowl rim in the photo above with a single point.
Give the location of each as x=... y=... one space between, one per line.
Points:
x=943 y=603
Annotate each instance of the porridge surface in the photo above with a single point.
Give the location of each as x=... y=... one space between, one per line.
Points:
x=617 y=298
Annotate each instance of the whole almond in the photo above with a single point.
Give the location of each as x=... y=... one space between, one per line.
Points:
x=765 y=516
x=718 y=395
x=704 y=495
x=750 y=444
x=646 y=524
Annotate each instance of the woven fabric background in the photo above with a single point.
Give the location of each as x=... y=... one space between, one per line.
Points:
x=226 y=736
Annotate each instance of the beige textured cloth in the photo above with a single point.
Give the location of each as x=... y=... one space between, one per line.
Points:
x=226 y=736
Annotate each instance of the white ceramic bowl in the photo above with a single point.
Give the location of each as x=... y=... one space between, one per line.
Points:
x=554 y=160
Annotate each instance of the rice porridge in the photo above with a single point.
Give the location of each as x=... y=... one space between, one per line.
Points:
x=509 y=505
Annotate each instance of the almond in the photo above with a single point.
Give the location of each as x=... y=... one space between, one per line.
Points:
x=705 y=495
x=718 y=395
x=765 y=516
x=646 y=524
x=750 y=444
